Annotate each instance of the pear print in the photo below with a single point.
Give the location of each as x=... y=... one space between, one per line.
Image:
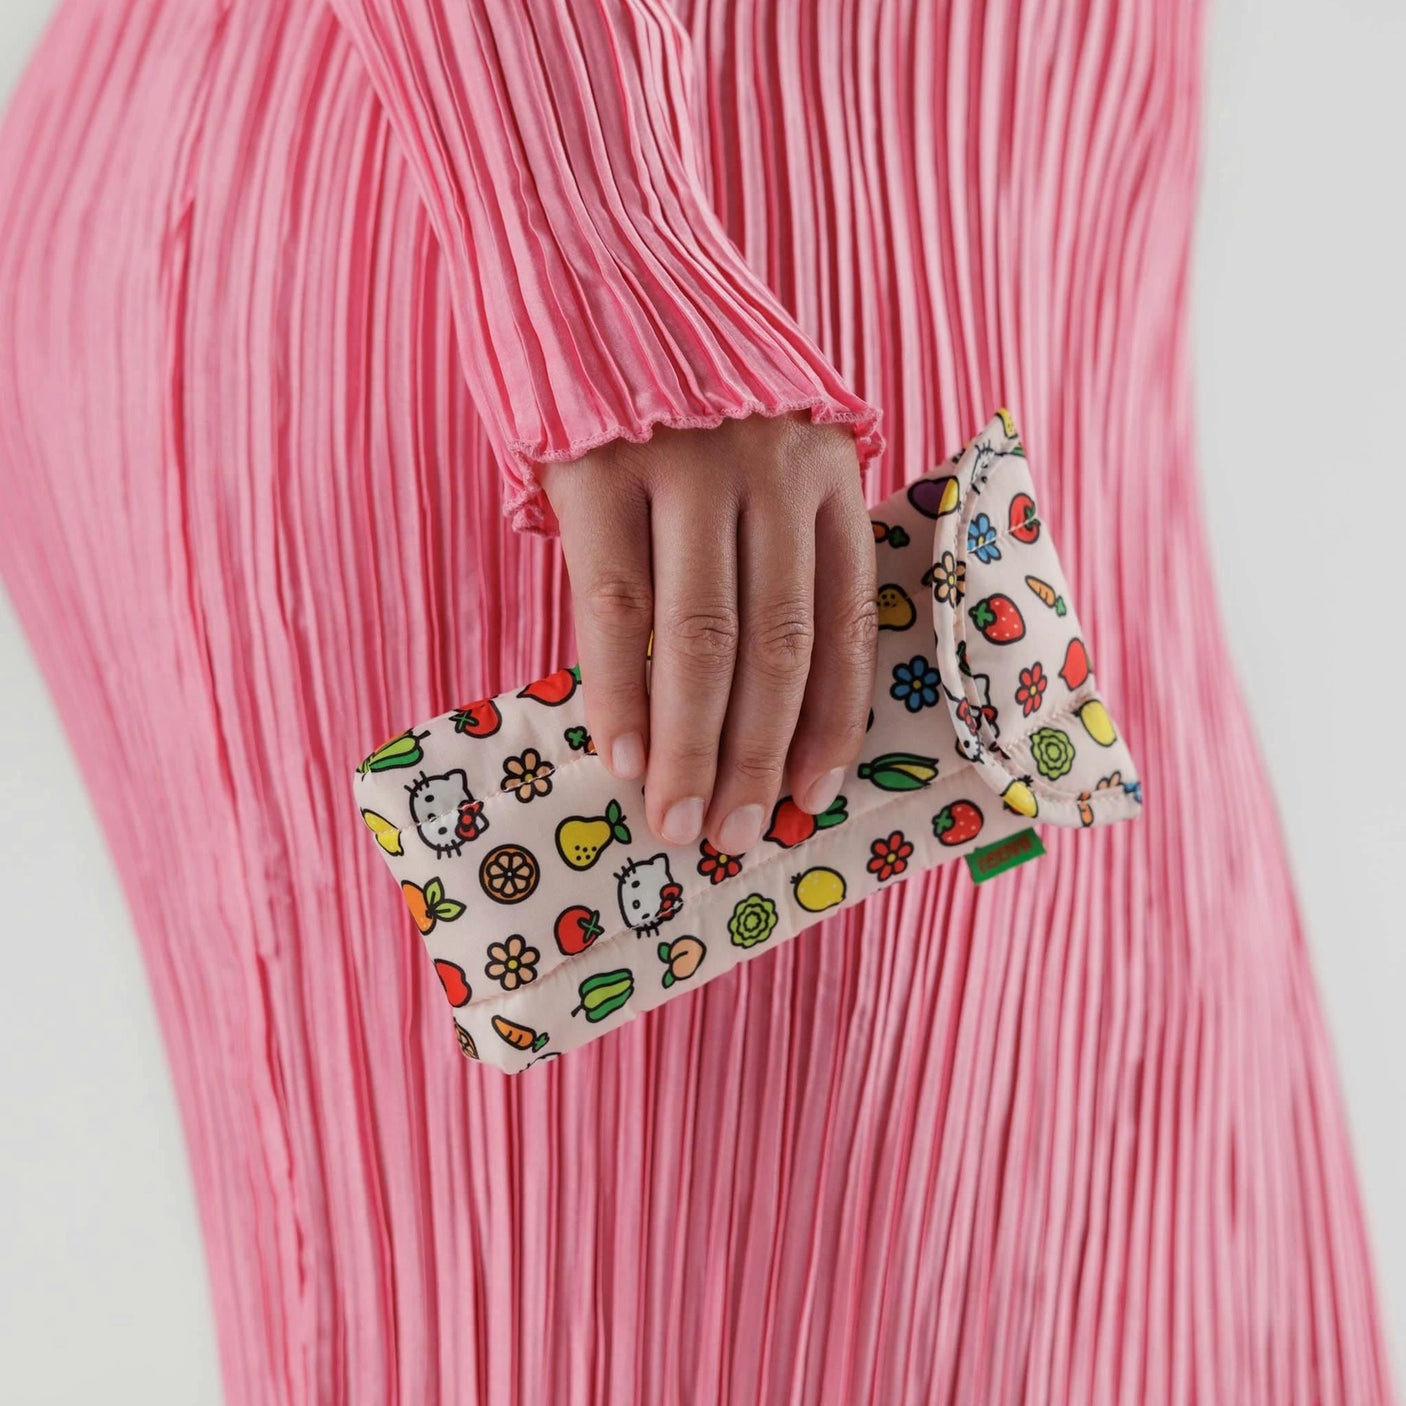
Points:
x=581 y=838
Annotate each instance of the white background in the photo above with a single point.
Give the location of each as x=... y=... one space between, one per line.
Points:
x=1301 y=347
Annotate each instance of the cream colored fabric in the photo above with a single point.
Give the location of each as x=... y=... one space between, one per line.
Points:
x=553 y=915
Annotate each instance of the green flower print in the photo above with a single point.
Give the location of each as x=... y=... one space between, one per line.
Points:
x=1053 y=752
x=752 y=920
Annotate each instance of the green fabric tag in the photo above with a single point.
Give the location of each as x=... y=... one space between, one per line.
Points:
x=990 y=860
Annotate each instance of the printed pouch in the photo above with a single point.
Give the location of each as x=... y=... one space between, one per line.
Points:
x=552 y=914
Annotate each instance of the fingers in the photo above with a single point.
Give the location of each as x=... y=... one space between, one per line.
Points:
x=605 y=538
x=694 y=543
x=748 y=551
x=776 y=589
x=840 y=686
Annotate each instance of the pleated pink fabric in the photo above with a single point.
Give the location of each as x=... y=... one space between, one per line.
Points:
x=294 y=298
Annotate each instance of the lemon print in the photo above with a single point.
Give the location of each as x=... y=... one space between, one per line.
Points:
x=1006 y=422
x=950 y=495
x=1097 y=723
x=387 y=836
x=896 y=611
x=818 y=889
x=1021 y=799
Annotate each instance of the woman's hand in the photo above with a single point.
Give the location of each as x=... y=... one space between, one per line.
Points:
x=747 y=549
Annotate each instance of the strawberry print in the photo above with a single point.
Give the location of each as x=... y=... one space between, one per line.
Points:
x=958 y=823
x=998 y=618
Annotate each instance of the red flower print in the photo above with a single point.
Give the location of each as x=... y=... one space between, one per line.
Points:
x=716 y=865
x=890 y=856
x=1031 y=692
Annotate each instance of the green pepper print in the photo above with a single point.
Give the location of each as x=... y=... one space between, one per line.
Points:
x=399 y=751
x=604 y=993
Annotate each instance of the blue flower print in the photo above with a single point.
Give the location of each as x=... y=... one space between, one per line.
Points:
x=915 y=684
x=981 y=539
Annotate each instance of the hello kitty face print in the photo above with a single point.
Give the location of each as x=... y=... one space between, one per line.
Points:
x=648 y=894
x=444 y=811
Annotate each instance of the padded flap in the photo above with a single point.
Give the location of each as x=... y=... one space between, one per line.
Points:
x=1014 y=663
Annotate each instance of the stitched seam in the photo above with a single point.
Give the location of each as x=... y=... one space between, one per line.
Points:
x=496 y=796
x=1039 y=784
x=886 y=801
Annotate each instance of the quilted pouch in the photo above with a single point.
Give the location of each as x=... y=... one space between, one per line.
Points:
x=553 y=915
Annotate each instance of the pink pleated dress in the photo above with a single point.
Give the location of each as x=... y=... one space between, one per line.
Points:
x=293 y=298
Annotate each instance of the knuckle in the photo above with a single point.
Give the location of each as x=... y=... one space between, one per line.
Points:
x=781 y=642
x=621 y=604
x=689 y=758
x=858 y=627
x=758 y=770
x=703 y=635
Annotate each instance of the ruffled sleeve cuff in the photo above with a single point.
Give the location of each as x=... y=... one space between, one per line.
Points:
x=597 y=295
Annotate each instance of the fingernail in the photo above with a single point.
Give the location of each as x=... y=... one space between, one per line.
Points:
x=627 y=756
x=820 y=793
x=682 y=821
x=741 y=829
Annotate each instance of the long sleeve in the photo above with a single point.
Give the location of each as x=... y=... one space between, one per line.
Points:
x=596 y=292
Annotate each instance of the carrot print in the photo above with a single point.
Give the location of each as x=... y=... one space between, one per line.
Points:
x=1047 y=593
